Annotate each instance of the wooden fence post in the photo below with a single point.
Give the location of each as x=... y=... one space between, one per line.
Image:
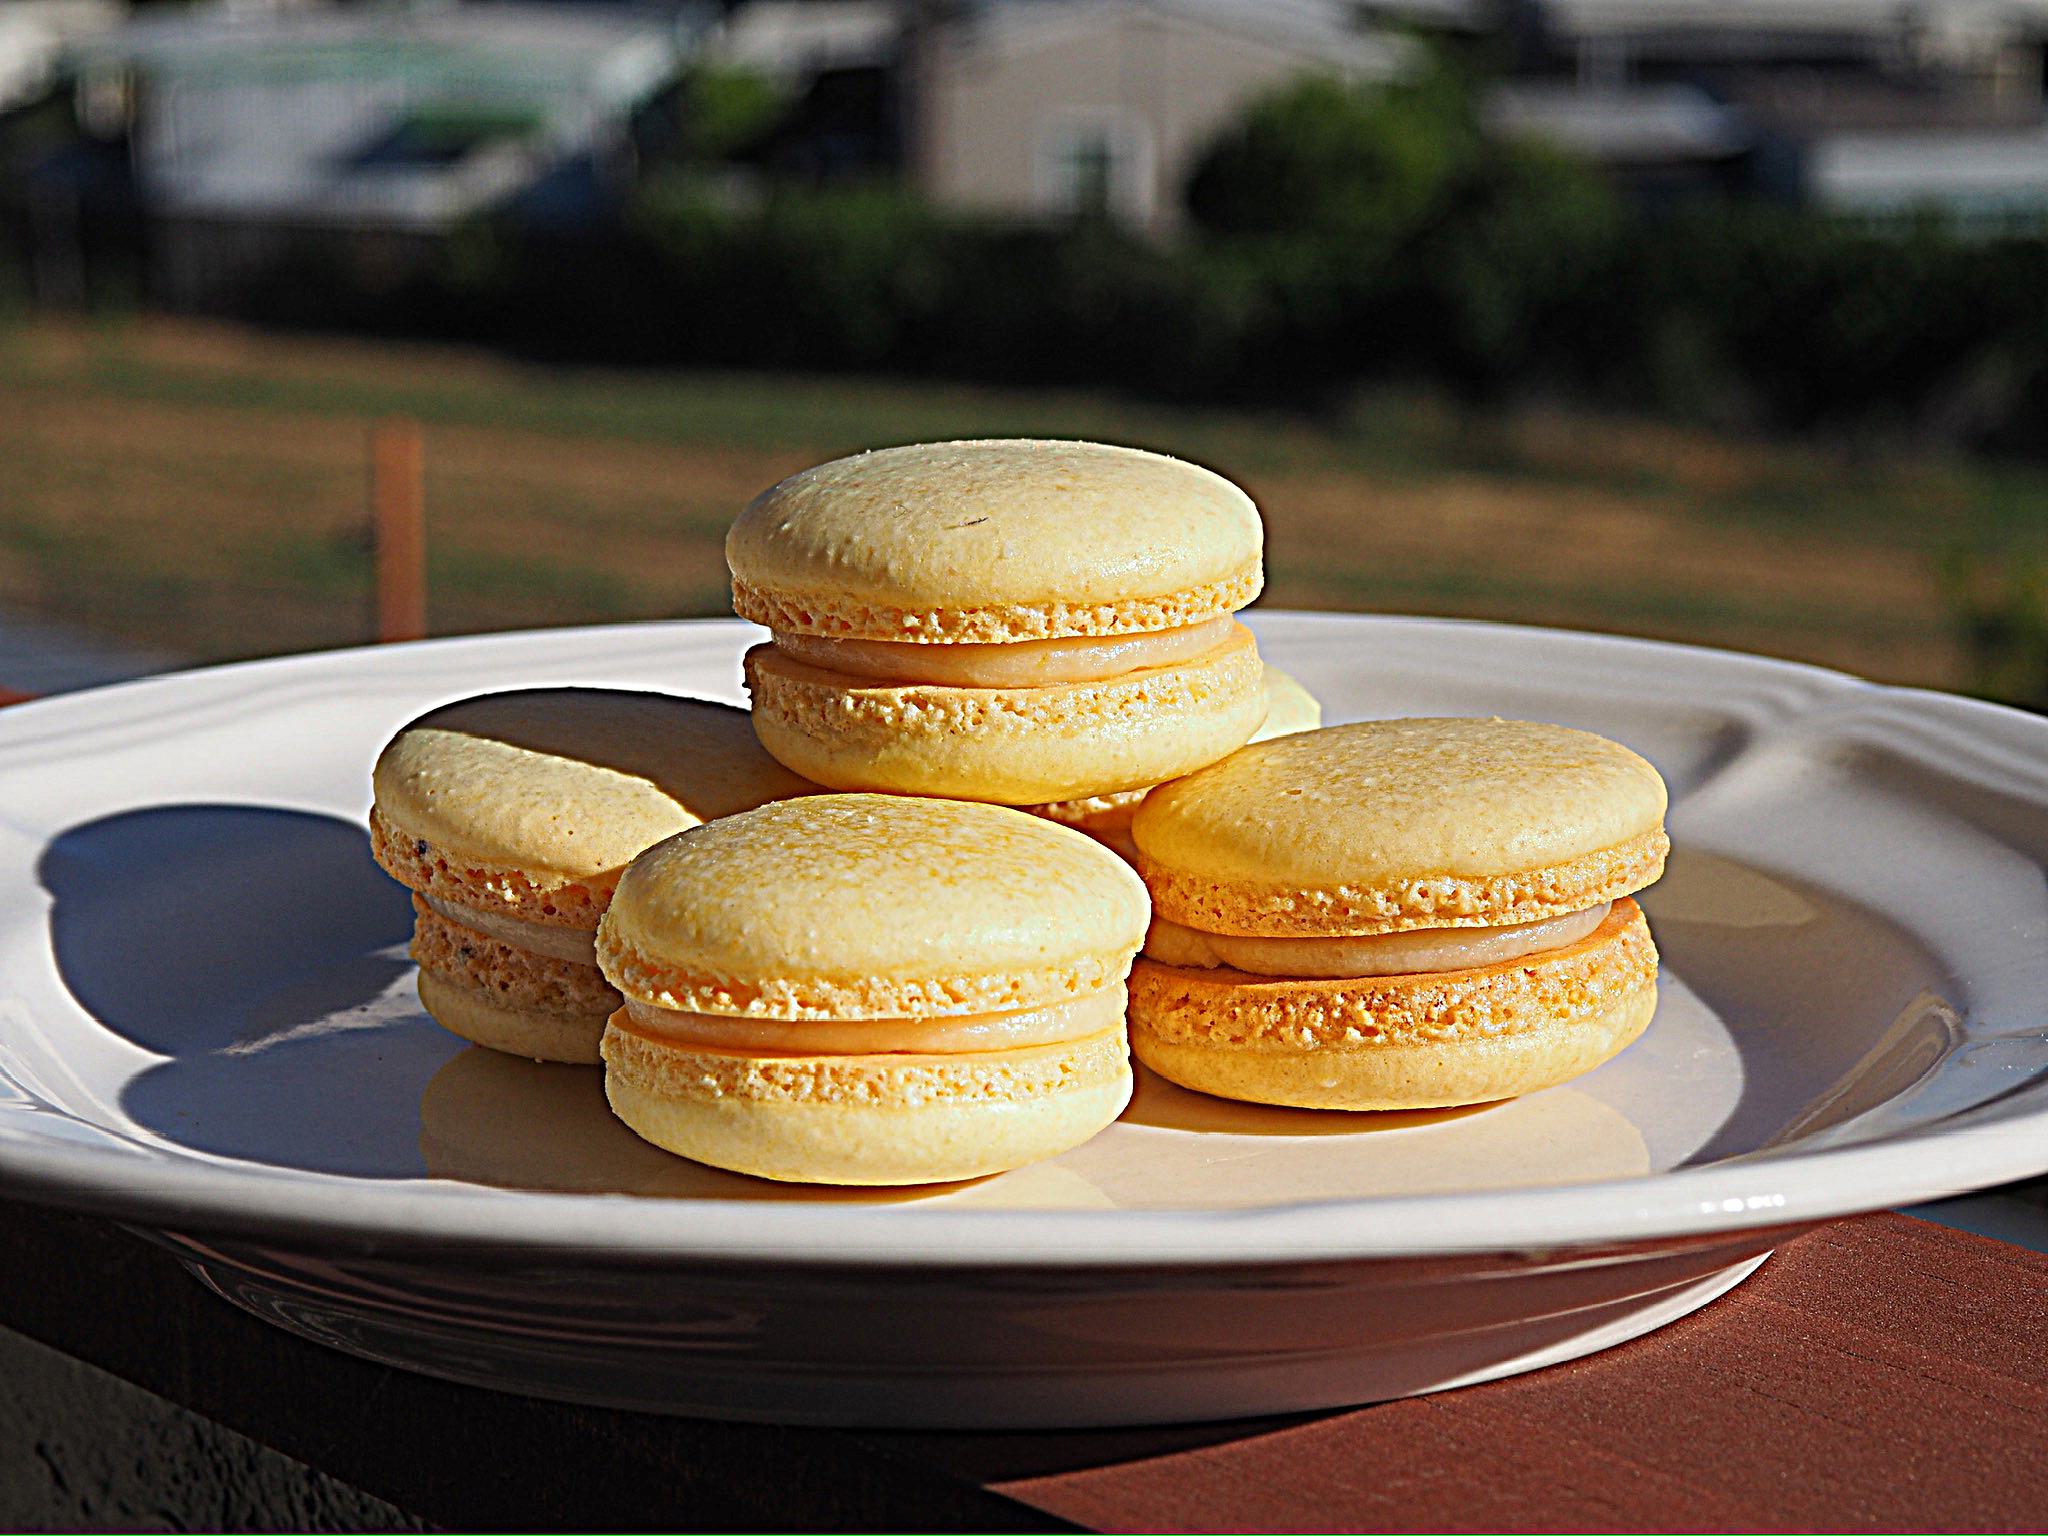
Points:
x=398 y=527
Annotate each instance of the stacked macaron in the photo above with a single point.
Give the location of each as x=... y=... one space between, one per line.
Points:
x=511 y=817
x=1398 y=914
x=1010 y=621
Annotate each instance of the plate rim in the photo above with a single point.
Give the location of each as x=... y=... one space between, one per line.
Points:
x=172 y=1188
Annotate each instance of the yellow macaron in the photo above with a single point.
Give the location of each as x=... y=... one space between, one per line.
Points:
x=1015 y=621
x=1290 y=708
x=511 y=817
x=1398 y=914
x=871 y=989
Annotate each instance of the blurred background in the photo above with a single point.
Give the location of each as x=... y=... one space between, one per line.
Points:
x=1725 y=324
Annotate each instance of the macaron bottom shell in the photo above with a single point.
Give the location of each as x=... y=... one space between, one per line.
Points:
x=1399 y=1042
x=866 y=1120
x=481 y=1018
x=1009 y=746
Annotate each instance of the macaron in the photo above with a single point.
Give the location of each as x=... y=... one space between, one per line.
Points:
x=1290 y=708
x=871 y=989
x=512 y=815
x=1014 y=621
x=1398 y=914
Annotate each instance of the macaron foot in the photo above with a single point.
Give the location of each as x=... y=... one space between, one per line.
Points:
x=1422 y=1075
x=1008 y=746
x=1418 y=1041
x=867 y=1120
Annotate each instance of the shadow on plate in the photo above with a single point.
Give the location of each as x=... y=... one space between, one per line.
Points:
x=261 y=952
x=187 y=929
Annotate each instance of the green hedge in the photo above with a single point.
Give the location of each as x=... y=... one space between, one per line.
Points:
x=1311 y=266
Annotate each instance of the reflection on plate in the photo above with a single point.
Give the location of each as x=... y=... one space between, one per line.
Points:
x=1561 y=1136
x=487 y=1118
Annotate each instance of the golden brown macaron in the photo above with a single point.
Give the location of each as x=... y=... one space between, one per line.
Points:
x=511 y=816
x=1398 y=914
x=871 y=989
x=1016 y=621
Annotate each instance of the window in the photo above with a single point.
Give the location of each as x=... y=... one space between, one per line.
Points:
x=1095 y=164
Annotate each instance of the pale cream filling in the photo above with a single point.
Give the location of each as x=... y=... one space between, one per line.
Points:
x=556 y=943
x=960 y=1033
x=1017 y=664
x=1377 y=954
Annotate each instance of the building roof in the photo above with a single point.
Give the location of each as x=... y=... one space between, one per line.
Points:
x=1758 y=28
x=1432 y=15
x=408 y=117
x=1975 y=174
x=1619 y=125
x=33 y=36
x=807 y=37
x=515 y=48
x=1319 y=32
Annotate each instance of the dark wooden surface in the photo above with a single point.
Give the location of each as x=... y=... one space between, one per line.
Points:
x=1880 y=1374
x=452 y=1455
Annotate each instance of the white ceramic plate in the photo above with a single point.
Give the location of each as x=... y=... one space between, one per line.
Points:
x=207 y=1028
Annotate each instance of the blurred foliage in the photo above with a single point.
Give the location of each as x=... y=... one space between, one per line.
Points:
x=1825 y=324
x=13 y=285
x=1327 y=162
x=1999 y=605
x=1510 y=281
x=1339 y=237
x=724 y=111
x=1388 y=236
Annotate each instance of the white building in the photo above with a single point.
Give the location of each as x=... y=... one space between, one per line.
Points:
x=1052 y=107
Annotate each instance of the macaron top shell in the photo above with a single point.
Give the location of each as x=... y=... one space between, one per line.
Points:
x=999 y=540
x=1394 y=824
x=571 y=782
x=872 y=906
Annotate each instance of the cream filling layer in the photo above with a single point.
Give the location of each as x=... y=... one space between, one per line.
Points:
x=955 y=1035
x=1377 y=954
x=577 y=944
x=1019 y=664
